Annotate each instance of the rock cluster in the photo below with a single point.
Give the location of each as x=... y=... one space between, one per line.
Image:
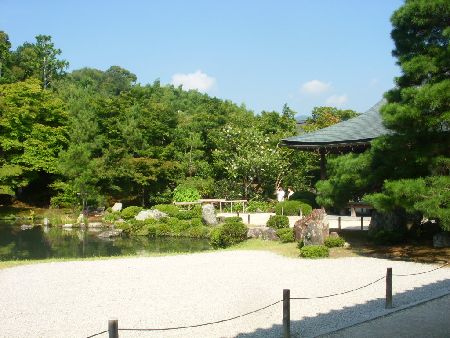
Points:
x=312 y=229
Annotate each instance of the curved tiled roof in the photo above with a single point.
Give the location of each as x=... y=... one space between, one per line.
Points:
x=358 y=130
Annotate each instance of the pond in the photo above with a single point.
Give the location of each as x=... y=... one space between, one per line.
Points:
x=54 y=242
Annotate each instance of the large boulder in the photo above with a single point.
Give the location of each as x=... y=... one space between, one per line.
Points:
x=391 y=222
x=312 y=229
x=209 y=215
x=441 y=240
x=262 y=233
x=117 y=207
x=146 y=214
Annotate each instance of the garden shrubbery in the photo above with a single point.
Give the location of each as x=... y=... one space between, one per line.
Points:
x=286 y=235
x=228 y=234
x=259 y=206
x=278 y=222
x=334 y=242
x=291 y=208
x=130 y=212
x=185 y=193
x=169 y=209
x=314 y=251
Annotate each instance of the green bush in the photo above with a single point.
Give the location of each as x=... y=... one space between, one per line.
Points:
x=195 y=222
x=112 y=216
x=130 y=212
x=259 y=206
x=233 y=219
x=291 y=208
x=286 y=235
x=334 y=242
x=314 y=251
x=169 y=209
x=278 y=222
x=184 y=193
x=228 y=234
x=199 y=231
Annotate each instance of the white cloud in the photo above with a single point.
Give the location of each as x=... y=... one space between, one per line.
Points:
x=315 y=87
x=336 y=100
x=198 y=80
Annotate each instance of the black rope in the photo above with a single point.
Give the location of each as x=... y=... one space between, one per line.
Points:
x=421 y=273
x=97 y=334
x=204 y=324
x=340 y=293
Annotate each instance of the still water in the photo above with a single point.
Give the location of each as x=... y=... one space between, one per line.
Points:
x=54 y=242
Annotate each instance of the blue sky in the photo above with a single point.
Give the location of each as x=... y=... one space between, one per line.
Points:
x=261 y=53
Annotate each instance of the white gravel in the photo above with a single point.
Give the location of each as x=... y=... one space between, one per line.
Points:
x=75 y=299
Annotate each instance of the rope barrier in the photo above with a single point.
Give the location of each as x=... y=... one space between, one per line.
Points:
x=279 y=301
x=420 y=273
x=97 y=334
x=340 y=293
x=203 y=324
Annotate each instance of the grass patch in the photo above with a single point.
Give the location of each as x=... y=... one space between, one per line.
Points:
x=284 y=249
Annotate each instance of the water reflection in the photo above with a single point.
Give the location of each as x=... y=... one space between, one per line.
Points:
x=53 y=242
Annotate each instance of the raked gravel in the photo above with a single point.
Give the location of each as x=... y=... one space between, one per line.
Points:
x=76 y=299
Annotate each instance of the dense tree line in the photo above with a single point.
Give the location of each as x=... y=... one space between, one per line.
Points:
x=91 y=136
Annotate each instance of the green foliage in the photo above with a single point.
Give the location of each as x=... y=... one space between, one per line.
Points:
x=130 y=212
x=259 y=206
x=334 y=242
x=323 y=117
x=170 y=209
x=228 y=234
x=314 y=251
x=185 y=194
x=112 y=216
x=292 y=208
x=233 y=219
x=286 y=235
x=278 y=222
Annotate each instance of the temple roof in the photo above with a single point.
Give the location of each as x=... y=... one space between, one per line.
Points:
x=351 y=134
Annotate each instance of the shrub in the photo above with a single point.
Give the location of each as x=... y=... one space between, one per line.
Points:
x=259 y=206
x=286 y=235
x=314 y=251
x=195 y=222
x=200 y=231
x=111 y=216
x=169 y=209
x=233 y=219
x=130 y=212
x=278 y=222
x=184 y=193
x=334 y=242
x=291 y=208
x=228 y=234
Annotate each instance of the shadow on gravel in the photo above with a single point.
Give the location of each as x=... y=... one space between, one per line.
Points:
x=336 y=319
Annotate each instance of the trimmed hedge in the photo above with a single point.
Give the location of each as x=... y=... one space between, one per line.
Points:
x=169 y=209
x=278 y=222
x=314 y=251
x=228 y=234
x=130 y=212
x=334 y=242
x=286 y=235
x=291 y=208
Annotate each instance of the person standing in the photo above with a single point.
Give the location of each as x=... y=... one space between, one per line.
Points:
x=290 y=193
x=280 y=194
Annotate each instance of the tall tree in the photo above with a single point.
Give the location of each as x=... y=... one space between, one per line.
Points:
x=5 y=54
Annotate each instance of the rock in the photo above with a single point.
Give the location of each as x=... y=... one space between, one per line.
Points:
x=67 y=225
x=46 y=221
x=117 y=207
x=209 y=215
x=346 y=245
x=262 y=233
x=441 y=240
x=110 y=233
x=146 y=214
x=394 y=221
x=80 y=218
x=334 y=234
x=312 y=229
x=26 y=226
x=95 y=225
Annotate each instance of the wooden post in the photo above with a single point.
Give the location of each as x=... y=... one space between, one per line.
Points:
x=113 y=328
x=231 y=207
x=339 y=223
x=286 y=313
x=237 y=213
x=248 y=218
x=323 y=163
x=362 y=222
x=389 y=288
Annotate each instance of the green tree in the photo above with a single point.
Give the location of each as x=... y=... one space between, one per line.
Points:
x=32 y=133
x=322 y=117
x=5 y=55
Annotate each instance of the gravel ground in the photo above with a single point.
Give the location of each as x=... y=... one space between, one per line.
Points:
x=75 y=299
